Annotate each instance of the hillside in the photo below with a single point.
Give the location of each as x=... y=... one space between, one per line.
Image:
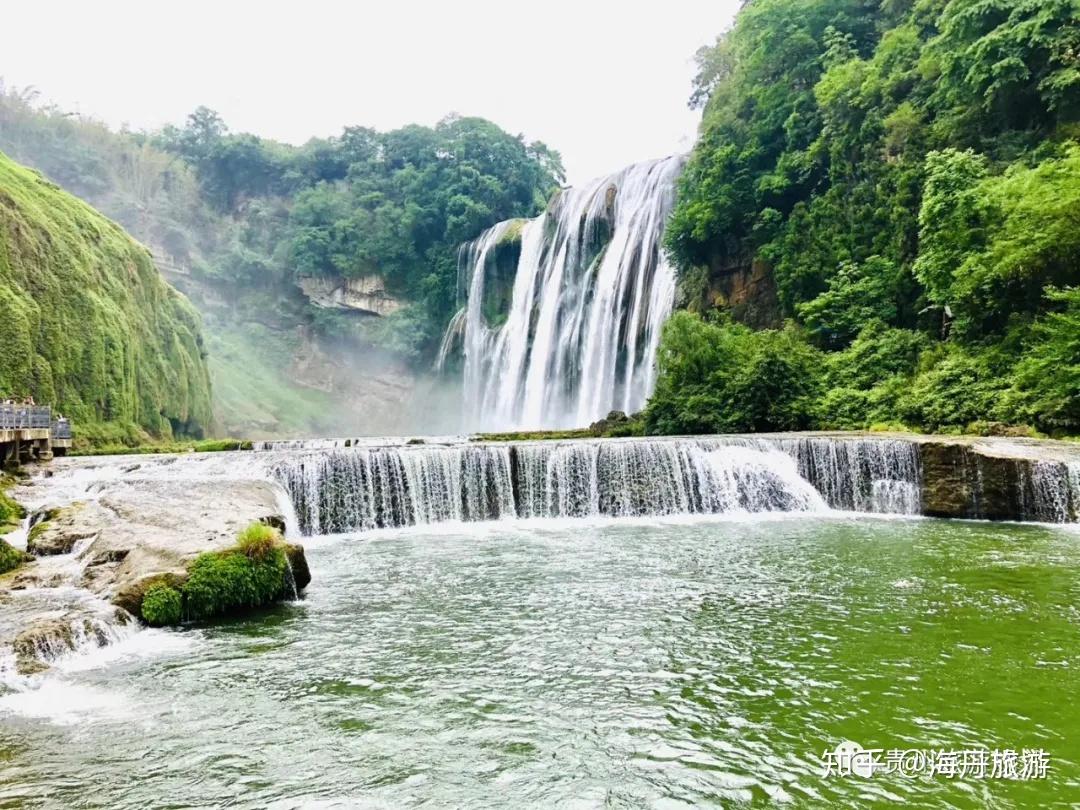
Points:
x=325 y=274
x=889 y=194
x=86 y=322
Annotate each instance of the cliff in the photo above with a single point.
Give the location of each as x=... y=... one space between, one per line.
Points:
x=87 y=323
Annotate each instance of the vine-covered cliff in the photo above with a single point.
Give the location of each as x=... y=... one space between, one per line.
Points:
x=86 y=322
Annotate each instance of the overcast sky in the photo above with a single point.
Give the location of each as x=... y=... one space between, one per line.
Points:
x=605 y=83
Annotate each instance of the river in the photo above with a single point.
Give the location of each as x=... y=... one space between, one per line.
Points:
x=634 y=661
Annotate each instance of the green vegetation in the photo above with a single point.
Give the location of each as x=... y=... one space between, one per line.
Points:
x=154 y=448
x=11 y=511
x=10 y=557
x=250 y=574
x=909 y=173
x=88 y=324
x=162 y=605
x=723 y=378
x=253 y=389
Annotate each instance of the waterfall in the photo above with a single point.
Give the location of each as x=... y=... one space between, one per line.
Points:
x=865 y=475
x=563 y=312
x=367 y=488
x=1045 y=491
x=358 y=488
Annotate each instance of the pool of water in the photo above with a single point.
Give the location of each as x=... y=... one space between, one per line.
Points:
x=661 y=664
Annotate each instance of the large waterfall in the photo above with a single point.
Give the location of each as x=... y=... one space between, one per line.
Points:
x=564 y=311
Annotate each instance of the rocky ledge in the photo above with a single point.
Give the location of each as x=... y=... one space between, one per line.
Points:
x=100 y=555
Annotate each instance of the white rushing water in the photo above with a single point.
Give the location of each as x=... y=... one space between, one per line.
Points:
x=361 y=488
x=590 y=293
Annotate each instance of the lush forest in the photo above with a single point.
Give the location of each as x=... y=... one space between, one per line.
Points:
x=396 y=204
x=88 y=324
x=236 y=220
x=907 y=174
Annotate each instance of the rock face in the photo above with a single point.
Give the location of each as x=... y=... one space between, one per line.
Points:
x=750 y=294
x=999 y=480
x=746 y=289
x=365 y=294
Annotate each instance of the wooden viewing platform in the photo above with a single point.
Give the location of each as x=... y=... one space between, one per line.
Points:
x=29 y=432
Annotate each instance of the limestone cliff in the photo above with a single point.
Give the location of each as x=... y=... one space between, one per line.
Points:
x=366 y=294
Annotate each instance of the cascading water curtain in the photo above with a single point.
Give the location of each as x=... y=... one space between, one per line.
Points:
x=579 y=334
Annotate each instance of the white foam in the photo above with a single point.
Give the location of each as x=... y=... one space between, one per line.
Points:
x=65 y=702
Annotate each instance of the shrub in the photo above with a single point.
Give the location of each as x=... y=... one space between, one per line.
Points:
x=1047 y=390
x=162 y=605
x=246 y=576
x=960 y=388
x=723 y=377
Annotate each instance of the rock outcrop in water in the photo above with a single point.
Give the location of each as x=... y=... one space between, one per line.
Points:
x=103 y=552
x=999 y=481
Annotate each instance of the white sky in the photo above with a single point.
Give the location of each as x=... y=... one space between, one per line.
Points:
x=605 y=83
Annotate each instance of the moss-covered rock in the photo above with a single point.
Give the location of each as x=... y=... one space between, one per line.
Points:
x=88 y=324
x=258 y=570
x=11 y=511
x=11 y=558
x=57 y=531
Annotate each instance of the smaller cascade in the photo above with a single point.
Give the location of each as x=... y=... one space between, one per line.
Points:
x=1073 y=473
x=1046 y=491
x=46 y=641
x=864 y=475
x=371 y=488
x=362 y=487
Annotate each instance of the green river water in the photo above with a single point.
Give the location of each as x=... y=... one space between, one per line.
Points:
x=587 y=665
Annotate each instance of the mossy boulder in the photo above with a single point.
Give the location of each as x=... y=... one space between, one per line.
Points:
x=258 y=570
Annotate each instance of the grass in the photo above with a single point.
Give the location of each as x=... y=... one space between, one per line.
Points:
x=258 y=541
x=203 y=446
